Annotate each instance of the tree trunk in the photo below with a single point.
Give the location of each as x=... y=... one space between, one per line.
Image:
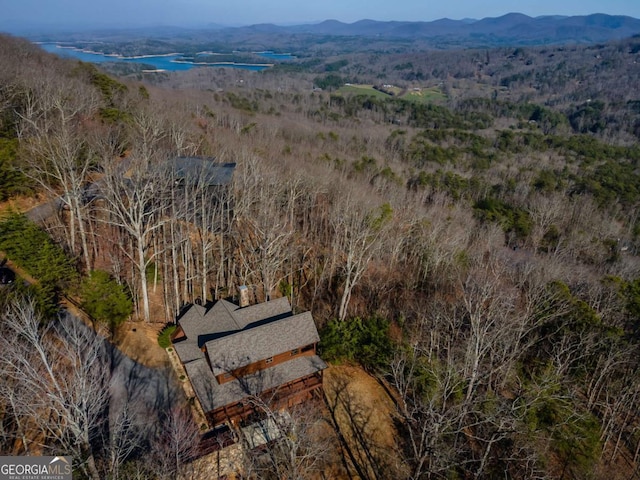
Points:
x=144 y=288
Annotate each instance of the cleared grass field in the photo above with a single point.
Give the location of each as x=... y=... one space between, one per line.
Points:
x=426 y=95
x=362 y=90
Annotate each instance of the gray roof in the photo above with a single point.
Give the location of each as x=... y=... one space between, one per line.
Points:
x=224 y=318
x=188 y=351
x=220 y=319
x=213 y=395
x=235 y=337
x=255 y=313
x=261 y=342
x=203 y=383
x=193 y=170
x=193 y=322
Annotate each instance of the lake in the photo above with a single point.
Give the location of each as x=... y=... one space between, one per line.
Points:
x=276 y=56
x=172 y=62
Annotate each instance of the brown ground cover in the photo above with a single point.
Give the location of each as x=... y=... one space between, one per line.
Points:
x=139 y=341
x=362 y=413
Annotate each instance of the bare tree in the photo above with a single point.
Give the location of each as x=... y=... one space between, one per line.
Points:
x=292 y=444
x=358 y=238
x=136 y=203
x=175 y=444
x=200 y=220
x=263 y=214
x=53 y=133
x=488 y=305
x=264 y=246
x=63 y=375
x=127 y=434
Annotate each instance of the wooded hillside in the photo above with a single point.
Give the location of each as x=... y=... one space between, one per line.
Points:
x=479 y=254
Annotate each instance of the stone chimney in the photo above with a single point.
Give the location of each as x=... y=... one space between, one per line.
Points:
x=244 y=296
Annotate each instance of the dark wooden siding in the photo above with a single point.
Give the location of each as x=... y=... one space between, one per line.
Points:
x=306 y=350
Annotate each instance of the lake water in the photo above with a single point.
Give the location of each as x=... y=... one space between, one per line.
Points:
x=171 y=62
x=276 y=56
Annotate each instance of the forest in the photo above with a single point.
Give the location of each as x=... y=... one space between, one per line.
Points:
x=476 y=253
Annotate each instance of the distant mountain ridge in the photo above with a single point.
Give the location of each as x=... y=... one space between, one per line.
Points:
x=509 y=28
x=336 y=37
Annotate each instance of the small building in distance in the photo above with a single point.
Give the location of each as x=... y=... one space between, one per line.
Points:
x=235 y=355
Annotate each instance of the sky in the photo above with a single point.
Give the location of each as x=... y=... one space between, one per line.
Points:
x=129 y=13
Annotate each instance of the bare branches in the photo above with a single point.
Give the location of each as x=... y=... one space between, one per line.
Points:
x=135 y=196
x=61 y=371
x=53 y=130
x=293 y=444
x=176 y=443
x=358 y=237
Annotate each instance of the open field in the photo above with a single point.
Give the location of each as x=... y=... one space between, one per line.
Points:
x=425 y=95
x=357 y=89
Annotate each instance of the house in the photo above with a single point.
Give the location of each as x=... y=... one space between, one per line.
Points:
x=201 y=174
x=202 y=170
x=203 y=188
x=237 y=355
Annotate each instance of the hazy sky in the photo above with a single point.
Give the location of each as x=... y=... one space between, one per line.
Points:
x=235 y=12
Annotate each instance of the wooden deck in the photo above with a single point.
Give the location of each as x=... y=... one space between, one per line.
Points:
x=284 y=396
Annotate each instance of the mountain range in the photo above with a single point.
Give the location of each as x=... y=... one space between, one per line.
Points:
x=364 y=35
x=510 y=28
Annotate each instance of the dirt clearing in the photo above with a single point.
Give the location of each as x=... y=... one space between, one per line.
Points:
x=139 y=341
x=362 y=412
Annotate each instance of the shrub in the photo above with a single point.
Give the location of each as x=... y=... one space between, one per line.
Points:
x=511 y=218
x=12 y=180
x=34 y=251
x=365 y=341
x=164 y=337
x=104 y=299
x=329 y=82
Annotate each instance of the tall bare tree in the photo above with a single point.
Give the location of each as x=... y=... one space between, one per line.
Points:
x=176 y=444
x=52 y=130
x=292 y=444
x=359 y=234
x=136 y=202
x=62 y=370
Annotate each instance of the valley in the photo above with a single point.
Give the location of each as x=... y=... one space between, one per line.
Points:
x=459 y=213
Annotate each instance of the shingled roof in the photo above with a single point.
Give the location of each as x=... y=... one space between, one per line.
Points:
x=225 y=318
x=194 y=170
x=263 y=341
x=234 y=337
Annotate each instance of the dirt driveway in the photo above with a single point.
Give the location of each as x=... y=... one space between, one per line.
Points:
x=139 y=341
